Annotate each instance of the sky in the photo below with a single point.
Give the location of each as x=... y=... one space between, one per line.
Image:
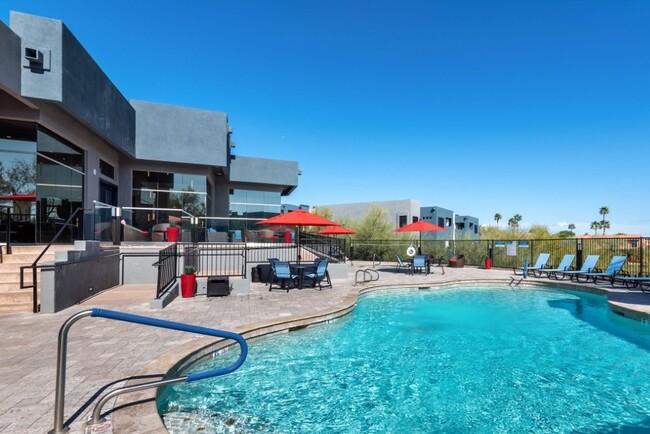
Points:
x=537 y=108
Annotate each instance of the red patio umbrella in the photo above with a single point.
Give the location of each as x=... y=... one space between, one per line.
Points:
x=298 y=218
x=336 y=230
x=420 y=226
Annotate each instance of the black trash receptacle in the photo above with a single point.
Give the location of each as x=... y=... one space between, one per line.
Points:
x=264 y=272
x=218 y=286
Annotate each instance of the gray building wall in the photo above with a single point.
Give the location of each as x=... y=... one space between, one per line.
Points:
x=394 y=209
x=10 y=65
x=466 y=227
x=438 y=216
x=265 y=171
x=180 y=134
x=70 y=77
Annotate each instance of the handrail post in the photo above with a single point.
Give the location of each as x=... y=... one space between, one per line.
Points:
x=8 y=239
x=59 y=397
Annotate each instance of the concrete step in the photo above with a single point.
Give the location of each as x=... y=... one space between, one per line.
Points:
x=26 y=258
x=16 y=308
x=16 y=297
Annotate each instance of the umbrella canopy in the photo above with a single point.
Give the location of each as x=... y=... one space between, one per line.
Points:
x=298 y=218
x=337 y=230
x=420 y=226
x=29 y=197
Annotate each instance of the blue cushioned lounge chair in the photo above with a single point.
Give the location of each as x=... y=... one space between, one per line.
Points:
x=587 y=267
x=565 y=265
x=631 y=282
x=615 y=266
x=542 y=259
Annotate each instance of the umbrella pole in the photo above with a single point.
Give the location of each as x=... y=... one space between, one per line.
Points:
x=420 y=244
x=298 y=244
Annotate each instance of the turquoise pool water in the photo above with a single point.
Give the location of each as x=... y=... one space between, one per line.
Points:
x=480 y=360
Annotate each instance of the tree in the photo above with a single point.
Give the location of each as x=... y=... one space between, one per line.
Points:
x=497 y=217
x=603 y=211
x=513 y=223
x=604 y=225
x=595 y=225
x=324 y=211
x=571 y=227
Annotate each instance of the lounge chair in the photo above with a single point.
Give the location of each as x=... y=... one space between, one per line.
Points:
x=633 y=282
x=270 y=276
x=587 y=267
x=457 y=261
x=401 y=264
x=421 y=263
x=565 y=265
x=542 y=259
x=319 y=275
x=283 y=276
x=615 y=266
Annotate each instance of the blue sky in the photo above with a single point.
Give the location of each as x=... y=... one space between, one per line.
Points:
x=537 y=108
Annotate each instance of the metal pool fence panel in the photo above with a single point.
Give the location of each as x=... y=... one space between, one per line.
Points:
x=512 y=253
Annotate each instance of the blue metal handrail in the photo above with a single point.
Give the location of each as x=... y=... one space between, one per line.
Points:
x=120 y=316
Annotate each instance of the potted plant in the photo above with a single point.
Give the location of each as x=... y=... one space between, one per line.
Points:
x=188 y=281
x=173 y=232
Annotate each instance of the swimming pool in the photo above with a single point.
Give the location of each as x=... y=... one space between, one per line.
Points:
x=477 y=359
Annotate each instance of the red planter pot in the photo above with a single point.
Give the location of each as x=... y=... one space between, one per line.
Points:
x=172 y=234
x=188 y=285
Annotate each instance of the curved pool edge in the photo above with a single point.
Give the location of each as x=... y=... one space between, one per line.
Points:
x=137 y=412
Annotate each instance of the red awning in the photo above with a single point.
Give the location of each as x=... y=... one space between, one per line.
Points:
x=30 y=197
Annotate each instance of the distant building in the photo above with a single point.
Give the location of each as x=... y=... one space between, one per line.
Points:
x=288 y=207
x=399 y=212
x=405 y=211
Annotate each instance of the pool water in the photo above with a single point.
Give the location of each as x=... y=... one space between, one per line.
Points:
x=480 y=360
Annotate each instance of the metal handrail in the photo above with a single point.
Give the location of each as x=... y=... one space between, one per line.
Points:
x=59 y=402
x=137 y=208
x=34 y=265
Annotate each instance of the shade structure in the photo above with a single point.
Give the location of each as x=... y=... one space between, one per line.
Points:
x=337 y=230
x=29 y=197
x=298 y=218
x=420 y=226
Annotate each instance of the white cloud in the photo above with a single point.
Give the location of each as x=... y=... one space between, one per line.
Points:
x=562 y=224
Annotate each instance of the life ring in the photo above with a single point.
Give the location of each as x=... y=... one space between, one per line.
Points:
x=410 y=251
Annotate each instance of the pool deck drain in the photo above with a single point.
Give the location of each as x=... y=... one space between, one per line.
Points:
x=105 y=353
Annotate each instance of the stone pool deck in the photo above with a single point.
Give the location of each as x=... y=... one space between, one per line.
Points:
x=105 y=353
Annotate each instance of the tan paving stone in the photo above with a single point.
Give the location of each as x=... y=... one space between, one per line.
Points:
x=103 y=351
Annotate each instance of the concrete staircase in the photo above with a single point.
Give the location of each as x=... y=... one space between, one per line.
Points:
x=12 y=298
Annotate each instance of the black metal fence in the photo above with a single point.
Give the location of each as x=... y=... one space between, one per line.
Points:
x=511 y=253
x=323 y=246
x=167 y=263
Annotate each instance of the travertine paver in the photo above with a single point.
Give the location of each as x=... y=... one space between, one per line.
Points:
x=102 y=352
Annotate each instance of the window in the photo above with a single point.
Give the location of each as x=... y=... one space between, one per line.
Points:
x=106 y=169
x=254 y=204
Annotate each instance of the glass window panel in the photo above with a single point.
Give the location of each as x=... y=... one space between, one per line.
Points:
x=237 y=210
x=255 y=197
x=272 y=198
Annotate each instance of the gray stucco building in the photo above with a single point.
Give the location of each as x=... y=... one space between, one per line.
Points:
x=69 y=139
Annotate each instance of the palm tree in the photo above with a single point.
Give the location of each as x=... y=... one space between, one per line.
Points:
x=497 y=217
x=513 y=223
x=571 y=227
x=595 y=225
x=603 y=211
x=604 y=225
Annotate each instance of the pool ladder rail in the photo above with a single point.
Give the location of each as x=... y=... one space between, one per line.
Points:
x=97 y=421
x=368 y=275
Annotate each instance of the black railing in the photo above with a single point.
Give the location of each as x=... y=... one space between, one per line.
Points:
x=476 y=251
x=323 y=246
x=35 y=266
x=167 y=266
x=214 y=259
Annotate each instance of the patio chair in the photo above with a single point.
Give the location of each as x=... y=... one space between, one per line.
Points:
x=283 y=277
x=457 y=261
x=271 y=273
x=565 y=265
x=542 y=259
x=615 y=266
x=587 y=267
x=401 y=264
x=319 y=275
x=420 y=263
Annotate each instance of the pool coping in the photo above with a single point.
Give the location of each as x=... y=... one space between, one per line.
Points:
x=137 y=412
